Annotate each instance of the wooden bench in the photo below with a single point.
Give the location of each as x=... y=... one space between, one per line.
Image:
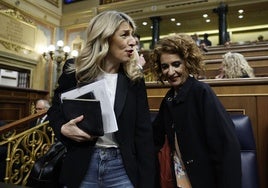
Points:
x=237 y=46
x=247 y=52
x=256 y=55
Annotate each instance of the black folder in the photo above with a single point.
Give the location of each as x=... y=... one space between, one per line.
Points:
x=90 y=108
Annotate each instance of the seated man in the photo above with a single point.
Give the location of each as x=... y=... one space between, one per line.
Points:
x=40 y=106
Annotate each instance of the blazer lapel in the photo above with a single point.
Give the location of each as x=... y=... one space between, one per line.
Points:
x=121 y=93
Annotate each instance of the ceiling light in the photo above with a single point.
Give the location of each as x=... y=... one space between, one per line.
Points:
x=240 y=11
x=240 y=16
x=178 y=23
x=207 y=20
x=172 y=19
x=205 y=15
x=144 y=23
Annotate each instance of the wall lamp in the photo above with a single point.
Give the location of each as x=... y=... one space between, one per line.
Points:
x=58 y=54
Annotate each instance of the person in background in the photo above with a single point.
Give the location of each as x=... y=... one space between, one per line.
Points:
x=141 y=61
x=138 y=43
x=227 y=44
x=200 y=43
x=234 y=65
x=203 y=47
x=200 y=133
x=260 y=38
x=41 y=105
x=204 y=43
x=206 y=40
x=195 y=37
x=124 y=158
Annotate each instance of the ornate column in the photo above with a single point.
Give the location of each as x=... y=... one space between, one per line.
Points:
x=156 y=30
x=222 y=10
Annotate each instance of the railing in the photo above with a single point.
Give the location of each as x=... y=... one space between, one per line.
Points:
x=24 y=148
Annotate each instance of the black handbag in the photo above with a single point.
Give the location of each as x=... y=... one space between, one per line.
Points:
x=46 y=169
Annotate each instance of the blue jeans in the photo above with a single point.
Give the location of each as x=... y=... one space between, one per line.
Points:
x=106 y=169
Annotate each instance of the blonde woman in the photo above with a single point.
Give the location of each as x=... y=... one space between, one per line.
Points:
x=234 y=65
x=122 y=159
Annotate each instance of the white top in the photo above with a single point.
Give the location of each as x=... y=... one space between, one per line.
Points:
x=111 y=80
x=108 y=139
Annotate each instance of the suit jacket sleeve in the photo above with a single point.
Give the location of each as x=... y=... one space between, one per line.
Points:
x=55 y=116
x=144 y=140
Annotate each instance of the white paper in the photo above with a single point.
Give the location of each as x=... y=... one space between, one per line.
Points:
x=98 y=88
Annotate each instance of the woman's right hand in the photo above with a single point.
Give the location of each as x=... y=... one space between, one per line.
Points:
x=71 y=131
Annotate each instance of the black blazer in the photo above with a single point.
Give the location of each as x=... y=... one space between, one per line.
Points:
x=34 y=123
x=134 y=134
x=206 y=136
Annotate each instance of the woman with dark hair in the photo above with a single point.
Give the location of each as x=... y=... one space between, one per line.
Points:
x=205 y=150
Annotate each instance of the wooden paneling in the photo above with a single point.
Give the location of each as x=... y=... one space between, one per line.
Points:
x=247 y=96
x=16 y=103
x=262 y=117
x=11 y=111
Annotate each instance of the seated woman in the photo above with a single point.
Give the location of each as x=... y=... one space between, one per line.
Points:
x=234 y=65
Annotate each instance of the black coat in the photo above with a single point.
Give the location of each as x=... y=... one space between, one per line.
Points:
x=134 y=134
x=34 y=123
x=209 y=147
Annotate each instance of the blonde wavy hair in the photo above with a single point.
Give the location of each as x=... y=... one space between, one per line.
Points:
x=235 y=65
x=88 y=65
x=182 y=45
